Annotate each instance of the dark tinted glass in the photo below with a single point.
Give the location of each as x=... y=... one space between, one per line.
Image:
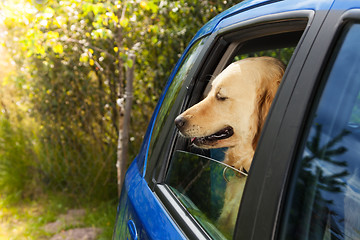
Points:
x=325 y=201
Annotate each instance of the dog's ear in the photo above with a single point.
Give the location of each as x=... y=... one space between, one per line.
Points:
x=266 y=95
x=264 y=101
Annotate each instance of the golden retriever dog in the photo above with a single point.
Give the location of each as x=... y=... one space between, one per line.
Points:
x=232 y=115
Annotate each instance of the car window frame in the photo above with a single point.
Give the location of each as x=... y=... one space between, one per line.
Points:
x=220 y=41
x=183 y=219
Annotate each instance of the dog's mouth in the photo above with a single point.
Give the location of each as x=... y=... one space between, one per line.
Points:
x=213 y=138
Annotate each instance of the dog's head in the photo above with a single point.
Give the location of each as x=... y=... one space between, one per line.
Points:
x=236 y=107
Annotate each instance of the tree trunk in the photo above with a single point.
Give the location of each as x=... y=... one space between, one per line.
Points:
x=124 y=125
x=120 y=171
x=120 y=102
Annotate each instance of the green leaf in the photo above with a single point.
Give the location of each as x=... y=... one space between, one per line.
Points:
x=124 y=22
x=129 y=63
x=154 y=40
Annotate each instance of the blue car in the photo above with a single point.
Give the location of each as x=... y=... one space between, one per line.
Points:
x=304 y=181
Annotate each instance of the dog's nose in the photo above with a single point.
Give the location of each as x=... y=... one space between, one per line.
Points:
x=180 y=122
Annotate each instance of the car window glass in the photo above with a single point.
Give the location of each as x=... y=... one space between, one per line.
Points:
x=200 y=184
x=325 y=200
x=210 y=190
x=174 y=89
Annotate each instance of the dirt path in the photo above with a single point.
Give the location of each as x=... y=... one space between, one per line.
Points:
x=69 y=227
x=77 y=234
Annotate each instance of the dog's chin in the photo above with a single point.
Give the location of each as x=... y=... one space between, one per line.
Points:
x=216 y=140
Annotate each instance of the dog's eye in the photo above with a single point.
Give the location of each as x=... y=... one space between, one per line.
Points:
x=220 y=97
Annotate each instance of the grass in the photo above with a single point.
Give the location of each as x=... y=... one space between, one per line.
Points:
x=102 y=216
x=41 y=180
x=30 y=173
x=26 y=219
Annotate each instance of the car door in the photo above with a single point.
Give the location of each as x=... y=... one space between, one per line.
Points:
x=157 y=204
x=310 y=188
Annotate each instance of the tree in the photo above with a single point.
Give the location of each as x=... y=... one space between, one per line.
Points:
x=71 y=58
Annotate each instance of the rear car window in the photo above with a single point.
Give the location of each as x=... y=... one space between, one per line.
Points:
x=324 y=202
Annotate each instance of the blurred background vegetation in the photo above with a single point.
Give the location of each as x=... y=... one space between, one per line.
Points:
x=60 y=65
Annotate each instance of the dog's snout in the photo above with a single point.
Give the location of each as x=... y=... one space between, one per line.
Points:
x=180 y=122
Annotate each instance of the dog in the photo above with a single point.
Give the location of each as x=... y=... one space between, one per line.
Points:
x=232 y=116
x=233 y=113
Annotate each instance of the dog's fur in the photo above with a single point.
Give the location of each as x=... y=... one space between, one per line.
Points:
x=232 y=115
x=235 y=109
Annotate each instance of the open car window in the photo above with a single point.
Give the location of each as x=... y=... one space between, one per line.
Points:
x=210 y=190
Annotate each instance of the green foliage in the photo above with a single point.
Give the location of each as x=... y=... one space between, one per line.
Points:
x=17 y=173
x=283 y=54
x=70 y=58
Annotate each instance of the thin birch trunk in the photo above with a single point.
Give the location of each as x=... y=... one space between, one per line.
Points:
x=120 y=102
x=124 y=131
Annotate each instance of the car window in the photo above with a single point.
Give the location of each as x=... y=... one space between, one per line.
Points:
x=209 y=189
x=200 y=184
x=324 y=202
x=173 y=91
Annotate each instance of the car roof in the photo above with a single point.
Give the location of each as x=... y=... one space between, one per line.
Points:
x=256 y=8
